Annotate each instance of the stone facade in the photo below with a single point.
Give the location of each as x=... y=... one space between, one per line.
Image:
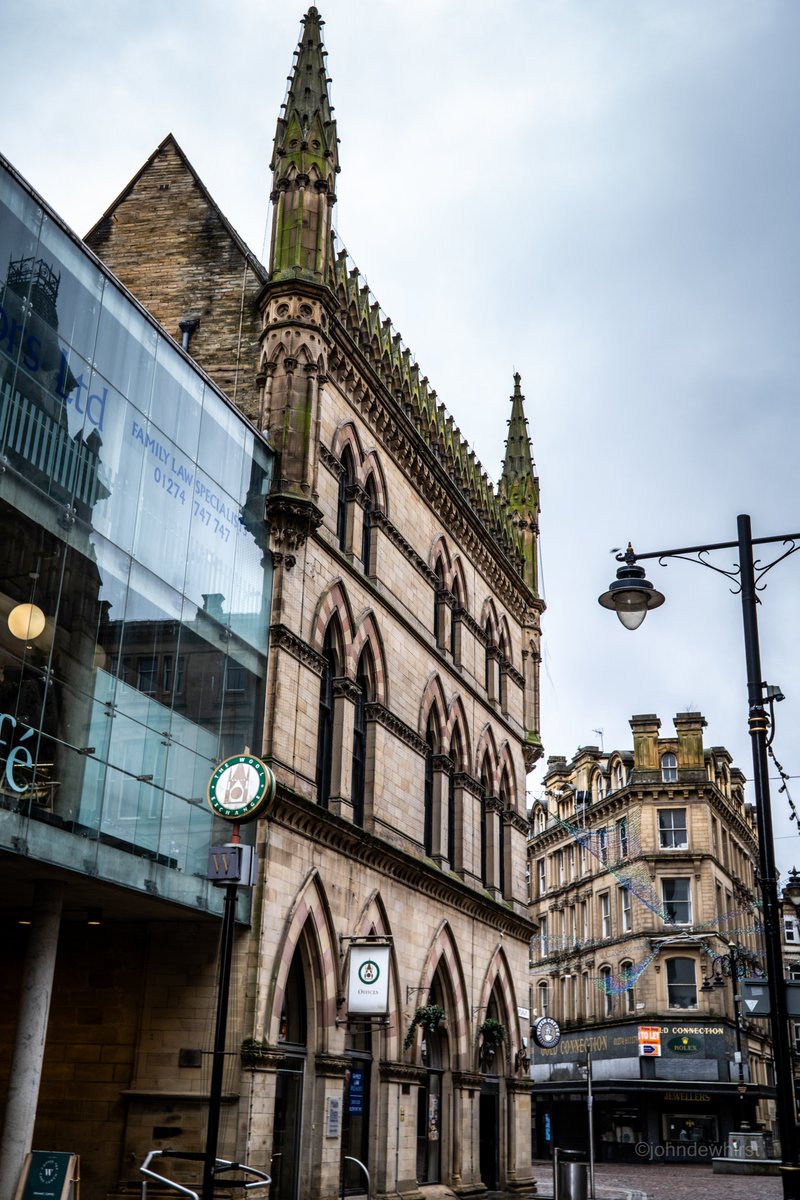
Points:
x=402 y=706
x=643 y=882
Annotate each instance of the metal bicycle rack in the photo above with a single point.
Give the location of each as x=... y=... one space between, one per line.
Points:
x=221 y=1165
x=359 y=1163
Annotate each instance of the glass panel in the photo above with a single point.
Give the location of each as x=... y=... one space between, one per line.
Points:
x=222 y=442
x=117 y=693
x=123 y=456
x=126 y=347
x=177 y=401
x=79 y=290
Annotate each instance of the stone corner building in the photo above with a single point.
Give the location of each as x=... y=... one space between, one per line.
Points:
x=402 y=709
x=643 y=884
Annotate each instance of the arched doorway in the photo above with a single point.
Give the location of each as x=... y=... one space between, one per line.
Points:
x=492 y=1063
x=288 y=1117
x=432 y=1124
x=356 y=1124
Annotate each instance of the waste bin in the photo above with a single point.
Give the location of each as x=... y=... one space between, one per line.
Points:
x=572 y=1175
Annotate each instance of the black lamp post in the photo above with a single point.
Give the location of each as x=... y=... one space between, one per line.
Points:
x=632 y=596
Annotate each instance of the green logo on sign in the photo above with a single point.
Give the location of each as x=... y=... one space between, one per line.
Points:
x=241 y=788
x=684 y=1045
x=369 y=972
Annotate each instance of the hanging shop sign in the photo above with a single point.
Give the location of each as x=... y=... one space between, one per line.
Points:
x=241 y=788
x=368 y=982
x=546 y=1033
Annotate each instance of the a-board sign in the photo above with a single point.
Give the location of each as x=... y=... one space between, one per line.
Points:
x=49 y=1175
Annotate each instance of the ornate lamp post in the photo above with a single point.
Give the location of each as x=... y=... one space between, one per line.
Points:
x=631 y=595
x=732 y=965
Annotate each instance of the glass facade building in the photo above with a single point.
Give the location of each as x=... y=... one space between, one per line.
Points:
x=134 y=575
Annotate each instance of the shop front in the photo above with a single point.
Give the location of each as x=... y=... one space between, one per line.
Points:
x=659 y=1092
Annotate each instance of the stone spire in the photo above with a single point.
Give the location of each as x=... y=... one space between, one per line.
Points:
x=519 y=486
x=518 y=482
x=305 y=162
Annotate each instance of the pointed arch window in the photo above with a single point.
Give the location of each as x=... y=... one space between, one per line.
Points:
x=432 y=744
x=294 y=1019
x=325 y=722
x=456 y=608
x=370 y=505
x=504 y=662
x=347 y=478
x=456 y=760
x=365 y=676
x=486 y=791
x=439 y=604
x=504 y=880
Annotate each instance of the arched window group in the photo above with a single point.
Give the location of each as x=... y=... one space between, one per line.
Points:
x=497 y=655
x=361 y=494
x=469 y=798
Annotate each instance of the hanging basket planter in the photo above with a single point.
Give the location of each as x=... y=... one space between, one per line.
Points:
x=494 y=1035
x=431 y=1017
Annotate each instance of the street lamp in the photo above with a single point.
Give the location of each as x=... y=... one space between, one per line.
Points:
x=734 y=965
x=632 y=596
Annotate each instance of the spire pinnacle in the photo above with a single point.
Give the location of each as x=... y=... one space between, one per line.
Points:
x=519 y=486
x=518 y=482
x=305 y=162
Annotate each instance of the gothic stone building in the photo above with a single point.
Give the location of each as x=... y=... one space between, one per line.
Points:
x=402 y=699
x=643 y=887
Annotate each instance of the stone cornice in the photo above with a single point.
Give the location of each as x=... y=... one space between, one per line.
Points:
x=507 y=669
x=403 y=862
x=282 y=638
x=468 y=1079
x=381 y=521
x=399 y=1072
x=331 y=1066
x=329 y=459
x=377 y=712
x=516 y=821
x=462 y=779
x=342 y=686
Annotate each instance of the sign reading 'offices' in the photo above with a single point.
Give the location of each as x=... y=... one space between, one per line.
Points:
x=368 y=984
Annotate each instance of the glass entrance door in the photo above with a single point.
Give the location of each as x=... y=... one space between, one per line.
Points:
x=285 y=1161
x=429 y=1129
x=489 y=1135
x=355 y=1125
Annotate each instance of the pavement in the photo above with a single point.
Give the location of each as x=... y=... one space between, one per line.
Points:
x=667 y=1181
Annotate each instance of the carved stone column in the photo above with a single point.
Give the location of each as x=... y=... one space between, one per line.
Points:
x=442 y=767
x=345 y=694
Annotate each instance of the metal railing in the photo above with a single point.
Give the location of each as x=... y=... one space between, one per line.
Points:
x=221 y=1165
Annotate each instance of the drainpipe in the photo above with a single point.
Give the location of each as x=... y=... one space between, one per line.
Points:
x=187 y=328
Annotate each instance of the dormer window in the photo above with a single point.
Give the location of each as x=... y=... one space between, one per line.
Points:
x=669 y=768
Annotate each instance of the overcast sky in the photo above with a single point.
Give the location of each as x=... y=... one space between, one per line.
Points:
x=600 y=194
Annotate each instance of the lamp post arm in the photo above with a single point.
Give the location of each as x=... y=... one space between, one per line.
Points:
x=635 y=556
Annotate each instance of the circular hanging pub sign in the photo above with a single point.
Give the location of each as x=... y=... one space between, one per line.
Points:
x=241 y=788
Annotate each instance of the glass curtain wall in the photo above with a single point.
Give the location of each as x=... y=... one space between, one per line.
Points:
x=134 y=591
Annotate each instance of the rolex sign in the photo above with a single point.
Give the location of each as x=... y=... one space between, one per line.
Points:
x=368 y=989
